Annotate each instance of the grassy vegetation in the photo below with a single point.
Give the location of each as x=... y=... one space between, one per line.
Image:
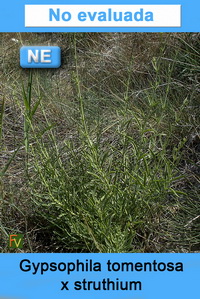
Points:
x=102 y=155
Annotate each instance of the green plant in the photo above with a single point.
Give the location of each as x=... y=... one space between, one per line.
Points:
x=110 y=164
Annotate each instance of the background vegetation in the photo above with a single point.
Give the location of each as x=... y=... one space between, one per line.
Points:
x=102 y=154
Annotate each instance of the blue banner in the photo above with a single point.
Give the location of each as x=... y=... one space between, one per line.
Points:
x=130 y=276
x=101 y=16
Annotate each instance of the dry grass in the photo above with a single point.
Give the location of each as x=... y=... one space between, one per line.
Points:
x=140 y=96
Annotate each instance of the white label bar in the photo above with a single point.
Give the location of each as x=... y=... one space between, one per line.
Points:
x=102 y=15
